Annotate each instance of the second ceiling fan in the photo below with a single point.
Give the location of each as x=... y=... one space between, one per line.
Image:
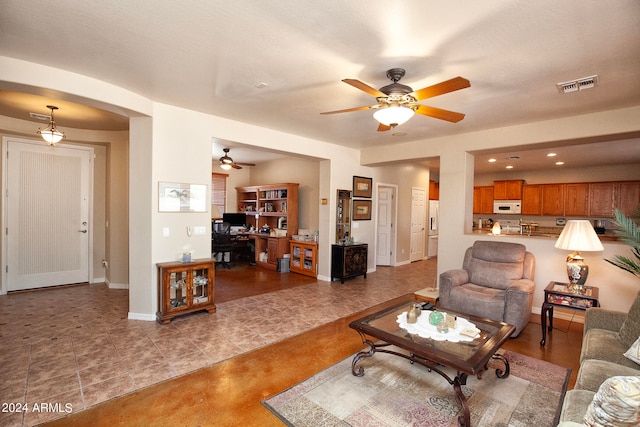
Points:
x=227 y=162
x=397 y=102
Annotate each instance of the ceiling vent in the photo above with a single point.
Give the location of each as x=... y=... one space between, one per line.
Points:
x=39 y=116
x=578 y=84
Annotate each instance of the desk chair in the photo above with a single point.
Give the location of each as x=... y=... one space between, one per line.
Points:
x=222 y=243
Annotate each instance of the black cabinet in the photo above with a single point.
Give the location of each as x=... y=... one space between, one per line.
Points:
x=348 y=261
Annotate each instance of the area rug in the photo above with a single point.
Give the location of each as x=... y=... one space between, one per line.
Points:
x=394 y=392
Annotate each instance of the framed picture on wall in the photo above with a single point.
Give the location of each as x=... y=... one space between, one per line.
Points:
x=178 y=197
x=362 y=186
x=361 y=210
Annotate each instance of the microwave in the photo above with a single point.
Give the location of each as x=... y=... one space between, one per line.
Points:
x=507 y=207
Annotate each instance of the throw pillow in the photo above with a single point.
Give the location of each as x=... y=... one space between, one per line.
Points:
x=630 y=329
x=616 y=403
x=634 y=352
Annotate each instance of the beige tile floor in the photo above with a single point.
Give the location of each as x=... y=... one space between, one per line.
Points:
x=67 y=349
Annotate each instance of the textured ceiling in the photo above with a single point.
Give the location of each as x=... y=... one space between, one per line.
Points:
x=211 y=56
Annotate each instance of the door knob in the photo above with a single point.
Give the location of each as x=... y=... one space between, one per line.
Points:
x=82 y=231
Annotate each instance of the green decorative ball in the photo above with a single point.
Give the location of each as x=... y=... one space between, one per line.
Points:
x=436 y=317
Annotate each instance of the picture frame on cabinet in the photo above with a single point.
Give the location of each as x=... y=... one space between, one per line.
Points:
x=362 y=210
x=179 y=197
x=362 y=186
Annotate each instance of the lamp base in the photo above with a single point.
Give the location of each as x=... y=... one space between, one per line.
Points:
x=577 y=271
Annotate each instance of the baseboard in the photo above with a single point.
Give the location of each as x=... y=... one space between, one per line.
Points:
x=570 y=315
x=323 y=278
x=142 y=316
x=117 y=285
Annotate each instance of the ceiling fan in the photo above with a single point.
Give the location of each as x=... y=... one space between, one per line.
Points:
x=397 y=102
x=227 y=162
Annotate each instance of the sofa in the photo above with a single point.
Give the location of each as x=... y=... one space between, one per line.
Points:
x=607 y=389
x=495 y=281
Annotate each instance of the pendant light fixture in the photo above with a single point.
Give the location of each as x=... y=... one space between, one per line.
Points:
x=51 y=134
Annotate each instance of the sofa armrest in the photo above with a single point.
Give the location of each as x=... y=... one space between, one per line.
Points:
x=449 y=280
x=601 y=318
x=522 y=285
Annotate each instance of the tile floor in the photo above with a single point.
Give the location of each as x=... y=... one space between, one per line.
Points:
x=72 y=348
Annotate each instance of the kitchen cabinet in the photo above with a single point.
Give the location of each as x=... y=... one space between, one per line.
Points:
x=348 y=261
x=271 y=205
x=483 y=200
x=532 y=199
x=508 y=190
x=602 y=198
x=553 y=199
x=434 y=190
x=576 y=200
x=629 y=197
x=304 y=257
x=185 y=287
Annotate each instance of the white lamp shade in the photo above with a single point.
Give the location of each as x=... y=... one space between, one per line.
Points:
x=393 y=116
x=225 y=166
x=579 y=235
x=215 y=212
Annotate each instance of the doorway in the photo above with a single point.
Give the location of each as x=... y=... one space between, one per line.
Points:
x=46 y=217
x=386 y=224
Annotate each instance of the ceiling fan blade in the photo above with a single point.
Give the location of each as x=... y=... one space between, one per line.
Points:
x=245 y=164
x=348 y=110
x=383 y=128
x=365 y=87
x=235 y=166
x=438 y=113
x=452 y=85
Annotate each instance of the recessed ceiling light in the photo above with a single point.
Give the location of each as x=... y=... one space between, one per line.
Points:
x=509 y=167
x=261 y=85
x=492 y=160
x=551 y=155
x=559 y=163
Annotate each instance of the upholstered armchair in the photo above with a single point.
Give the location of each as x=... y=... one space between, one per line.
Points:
x=496 y=281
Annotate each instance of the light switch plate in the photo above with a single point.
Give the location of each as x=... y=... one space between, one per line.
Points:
x=165 y=232
x=199 y=231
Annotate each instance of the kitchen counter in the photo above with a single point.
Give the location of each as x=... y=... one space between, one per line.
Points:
x=544 y=232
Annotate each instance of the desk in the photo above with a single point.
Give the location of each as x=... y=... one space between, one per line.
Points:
x=275 y=246
x=557 y=294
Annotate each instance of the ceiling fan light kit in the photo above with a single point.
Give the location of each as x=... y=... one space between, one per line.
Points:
x=397 y=103
x=227 y=162
x=51 y=134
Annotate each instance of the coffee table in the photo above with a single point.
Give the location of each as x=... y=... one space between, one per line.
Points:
x=467 y=358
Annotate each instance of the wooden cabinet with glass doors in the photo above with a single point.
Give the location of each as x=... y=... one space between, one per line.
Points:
x=185 y=287
x=304 y=257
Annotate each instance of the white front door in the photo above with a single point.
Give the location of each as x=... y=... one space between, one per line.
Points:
x=384 y=233
x=47 y=195
x=418 y=218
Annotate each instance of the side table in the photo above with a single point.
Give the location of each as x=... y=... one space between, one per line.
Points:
x=558 y=294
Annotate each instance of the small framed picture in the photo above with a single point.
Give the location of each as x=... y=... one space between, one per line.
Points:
x=361 y=210
x=362 y=186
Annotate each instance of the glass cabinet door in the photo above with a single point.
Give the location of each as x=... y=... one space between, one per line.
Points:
x=178 y=289
x=201 y=286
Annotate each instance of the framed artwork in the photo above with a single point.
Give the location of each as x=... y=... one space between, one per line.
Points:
x=176 y=197
x=361 y=210
x=362 y=186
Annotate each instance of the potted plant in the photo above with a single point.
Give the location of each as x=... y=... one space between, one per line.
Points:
x=628 y=230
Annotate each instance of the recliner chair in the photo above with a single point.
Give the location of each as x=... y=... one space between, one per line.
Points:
x=496 y=281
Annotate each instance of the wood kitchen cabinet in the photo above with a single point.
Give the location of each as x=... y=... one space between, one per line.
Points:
x=576 y=199
x=434 y=190
x=602 y=198
x=629 y=196
x=532 y=199
x=553 y=199
x=508 y=190
x=185 y=287
x=483 y=200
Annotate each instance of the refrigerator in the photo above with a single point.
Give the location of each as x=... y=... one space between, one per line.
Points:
x=432 y=234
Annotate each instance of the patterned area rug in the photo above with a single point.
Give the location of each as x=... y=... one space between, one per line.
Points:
x=394 y=392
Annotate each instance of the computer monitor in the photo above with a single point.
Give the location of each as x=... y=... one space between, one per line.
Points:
x=235 y=219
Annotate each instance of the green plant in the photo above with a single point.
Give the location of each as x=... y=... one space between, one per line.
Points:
x=629 y=232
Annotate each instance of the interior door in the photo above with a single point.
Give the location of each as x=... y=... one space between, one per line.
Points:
x=384 y=231
x=418 y=218
x=47 y=196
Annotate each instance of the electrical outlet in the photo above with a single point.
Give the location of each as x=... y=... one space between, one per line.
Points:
x=165 y=232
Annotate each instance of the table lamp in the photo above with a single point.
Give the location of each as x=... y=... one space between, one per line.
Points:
x=578 y=235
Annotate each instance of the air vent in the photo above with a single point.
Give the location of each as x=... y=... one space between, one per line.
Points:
x=578 y=84
x=44 y=117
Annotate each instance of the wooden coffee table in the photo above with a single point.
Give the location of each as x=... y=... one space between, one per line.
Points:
x=467 y=358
